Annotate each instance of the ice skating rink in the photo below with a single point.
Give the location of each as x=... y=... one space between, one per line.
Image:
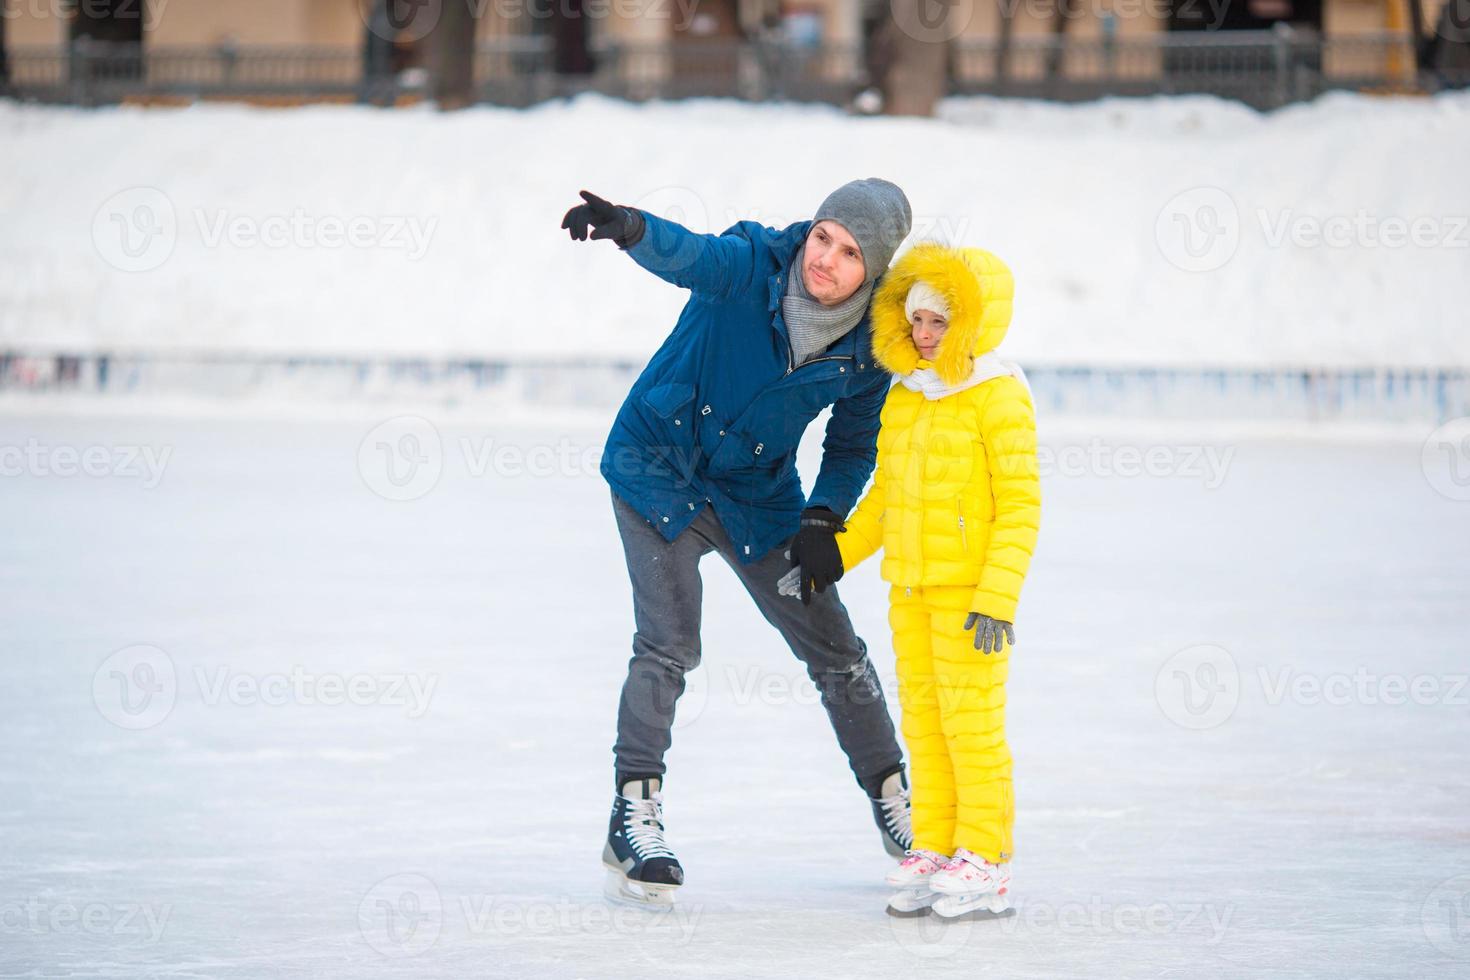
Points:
x=260 y=720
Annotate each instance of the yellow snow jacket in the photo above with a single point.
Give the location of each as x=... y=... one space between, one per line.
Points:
x=956 y=498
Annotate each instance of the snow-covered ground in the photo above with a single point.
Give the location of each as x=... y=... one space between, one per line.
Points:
x=1156 y=232
x=1238 y=713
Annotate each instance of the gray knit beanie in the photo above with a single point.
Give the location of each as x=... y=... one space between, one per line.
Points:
x=876 y=213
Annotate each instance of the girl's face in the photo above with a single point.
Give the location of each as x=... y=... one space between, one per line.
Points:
x=928 y=330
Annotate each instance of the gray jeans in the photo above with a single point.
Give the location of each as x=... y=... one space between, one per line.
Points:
x=667 y=597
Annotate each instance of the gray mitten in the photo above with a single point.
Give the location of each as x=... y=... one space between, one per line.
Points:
x=790 y=583
x=991 y=635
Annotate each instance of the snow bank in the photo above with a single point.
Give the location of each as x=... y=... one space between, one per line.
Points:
x=1169 y=232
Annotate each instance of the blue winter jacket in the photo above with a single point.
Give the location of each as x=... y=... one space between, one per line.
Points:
x=716 y=416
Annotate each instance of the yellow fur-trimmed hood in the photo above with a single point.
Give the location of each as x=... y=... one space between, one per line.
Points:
x=978 y=288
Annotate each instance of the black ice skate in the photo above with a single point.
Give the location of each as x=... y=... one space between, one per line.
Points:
x=892 y=813
x=640 y=867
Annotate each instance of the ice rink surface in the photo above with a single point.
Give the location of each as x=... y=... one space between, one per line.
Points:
x=261 y=721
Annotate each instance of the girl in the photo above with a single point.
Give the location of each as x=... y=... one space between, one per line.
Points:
x=955 y=506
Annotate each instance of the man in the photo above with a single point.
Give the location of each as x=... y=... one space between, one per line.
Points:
x=702 y=458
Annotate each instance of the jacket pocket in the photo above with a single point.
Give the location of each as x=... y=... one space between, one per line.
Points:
x=668 y=401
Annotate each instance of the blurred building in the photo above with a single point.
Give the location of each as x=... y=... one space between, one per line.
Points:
x=776 y=48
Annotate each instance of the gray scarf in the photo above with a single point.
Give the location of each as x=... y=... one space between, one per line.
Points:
x=812 y=326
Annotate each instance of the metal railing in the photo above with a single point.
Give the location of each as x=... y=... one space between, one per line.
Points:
x=1262 y=68
x=93 y=73
x=1424 y=397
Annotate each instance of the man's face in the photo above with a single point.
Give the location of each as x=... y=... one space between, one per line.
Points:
x=833 y=265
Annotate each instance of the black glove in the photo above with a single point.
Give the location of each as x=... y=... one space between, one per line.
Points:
x=990 y=634
x=815 y=551
x=623 y=225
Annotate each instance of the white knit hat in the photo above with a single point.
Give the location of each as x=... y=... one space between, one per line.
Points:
x=923 y=296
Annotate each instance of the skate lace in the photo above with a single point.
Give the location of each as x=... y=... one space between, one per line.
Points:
x=912 y=858
x=644 y=829
x=898 y=817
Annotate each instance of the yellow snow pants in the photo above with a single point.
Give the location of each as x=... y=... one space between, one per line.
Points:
x=953 y=701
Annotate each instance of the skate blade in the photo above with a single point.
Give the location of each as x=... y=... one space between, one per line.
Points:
x=911 y=903
x=618 y=887
x=905 y=913
x=978 y=908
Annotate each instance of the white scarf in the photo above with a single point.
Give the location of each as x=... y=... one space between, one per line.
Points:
x=987 y=366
